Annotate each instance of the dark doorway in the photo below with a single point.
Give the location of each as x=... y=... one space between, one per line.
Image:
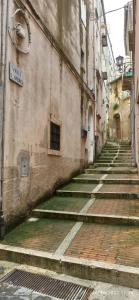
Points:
x=117 y=126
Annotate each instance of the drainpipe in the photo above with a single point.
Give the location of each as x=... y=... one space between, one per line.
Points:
x=3 y=63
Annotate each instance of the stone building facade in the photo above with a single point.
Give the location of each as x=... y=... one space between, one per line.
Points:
x=47 y=104
x=119 y=111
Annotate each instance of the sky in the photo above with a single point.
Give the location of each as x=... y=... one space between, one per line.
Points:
x=115 y=22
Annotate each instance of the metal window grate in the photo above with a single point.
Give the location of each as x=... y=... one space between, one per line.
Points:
x=47 y=285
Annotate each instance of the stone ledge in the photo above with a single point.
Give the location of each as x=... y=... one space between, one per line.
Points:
x=84 y=269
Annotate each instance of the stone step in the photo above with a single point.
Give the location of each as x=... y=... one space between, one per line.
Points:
x=86 y=218
x=64 y=193
x=114 y=160
x=110 y=148
x=105 y=159
x=120 y=160
x=114 y=165
x=81 y=268
x=99 y=161
x=115 y=207
x=72 y=204
x=120 y=153
x=114 y=170
x=108 y=176
x=114 y=151
x=114 y=190
x=76 y=188
x=106 y=181
x=125 y=156
x=109 y=243
x=118 y=195
x=117 y=148
x=112 y=156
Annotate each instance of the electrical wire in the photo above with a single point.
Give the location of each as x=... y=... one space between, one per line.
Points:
x=110 y=11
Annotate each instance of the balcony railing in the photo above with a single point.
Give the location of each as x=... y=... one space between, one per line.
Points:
x=127 y=77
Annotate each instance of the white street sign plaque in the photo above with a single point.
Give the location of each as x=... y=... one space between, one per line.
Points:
x=16 y=74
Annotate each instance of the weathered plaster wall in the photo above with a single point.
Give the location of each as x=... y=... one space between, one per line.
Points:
x=117 y=97
x=62 y=19
x=50 y=91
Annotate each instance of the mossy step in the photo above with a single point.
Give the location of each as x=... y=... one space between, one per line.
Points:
x=64 y=204
x=78 y=187
x=39 y=234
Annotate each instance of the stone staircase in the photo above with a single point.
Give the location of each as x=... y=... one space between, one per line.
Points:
x=90 y=228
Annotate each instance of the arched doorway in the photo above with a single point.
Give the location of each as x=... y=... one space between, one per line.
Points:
x=90 y=138
x=117 y=126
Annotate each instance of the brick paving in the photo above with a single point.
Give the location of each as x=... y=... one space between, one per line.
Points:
x=121 y=207
x=120 y=188
x=123 y=176
x=113 y=244
x=42 y=234
x=120 y=169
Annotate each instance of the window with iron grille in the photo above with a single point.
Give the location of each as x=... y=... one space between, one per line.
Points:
x=54 y=136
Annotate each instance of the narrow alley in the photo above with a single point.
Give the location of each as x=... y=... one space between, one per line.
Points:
x=69 y=150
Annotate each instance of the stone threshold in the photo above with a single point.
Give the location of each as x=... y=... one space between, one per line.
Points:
x=83 y=269
x=86 y=218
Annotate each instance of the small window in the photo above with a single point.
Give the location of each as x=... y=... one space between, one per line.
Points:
x=54 y=136
x=96 y=13
x=82 y=58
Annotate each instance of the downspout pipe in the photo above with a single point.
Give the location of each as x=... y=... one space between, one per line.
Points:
x=3 y=68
